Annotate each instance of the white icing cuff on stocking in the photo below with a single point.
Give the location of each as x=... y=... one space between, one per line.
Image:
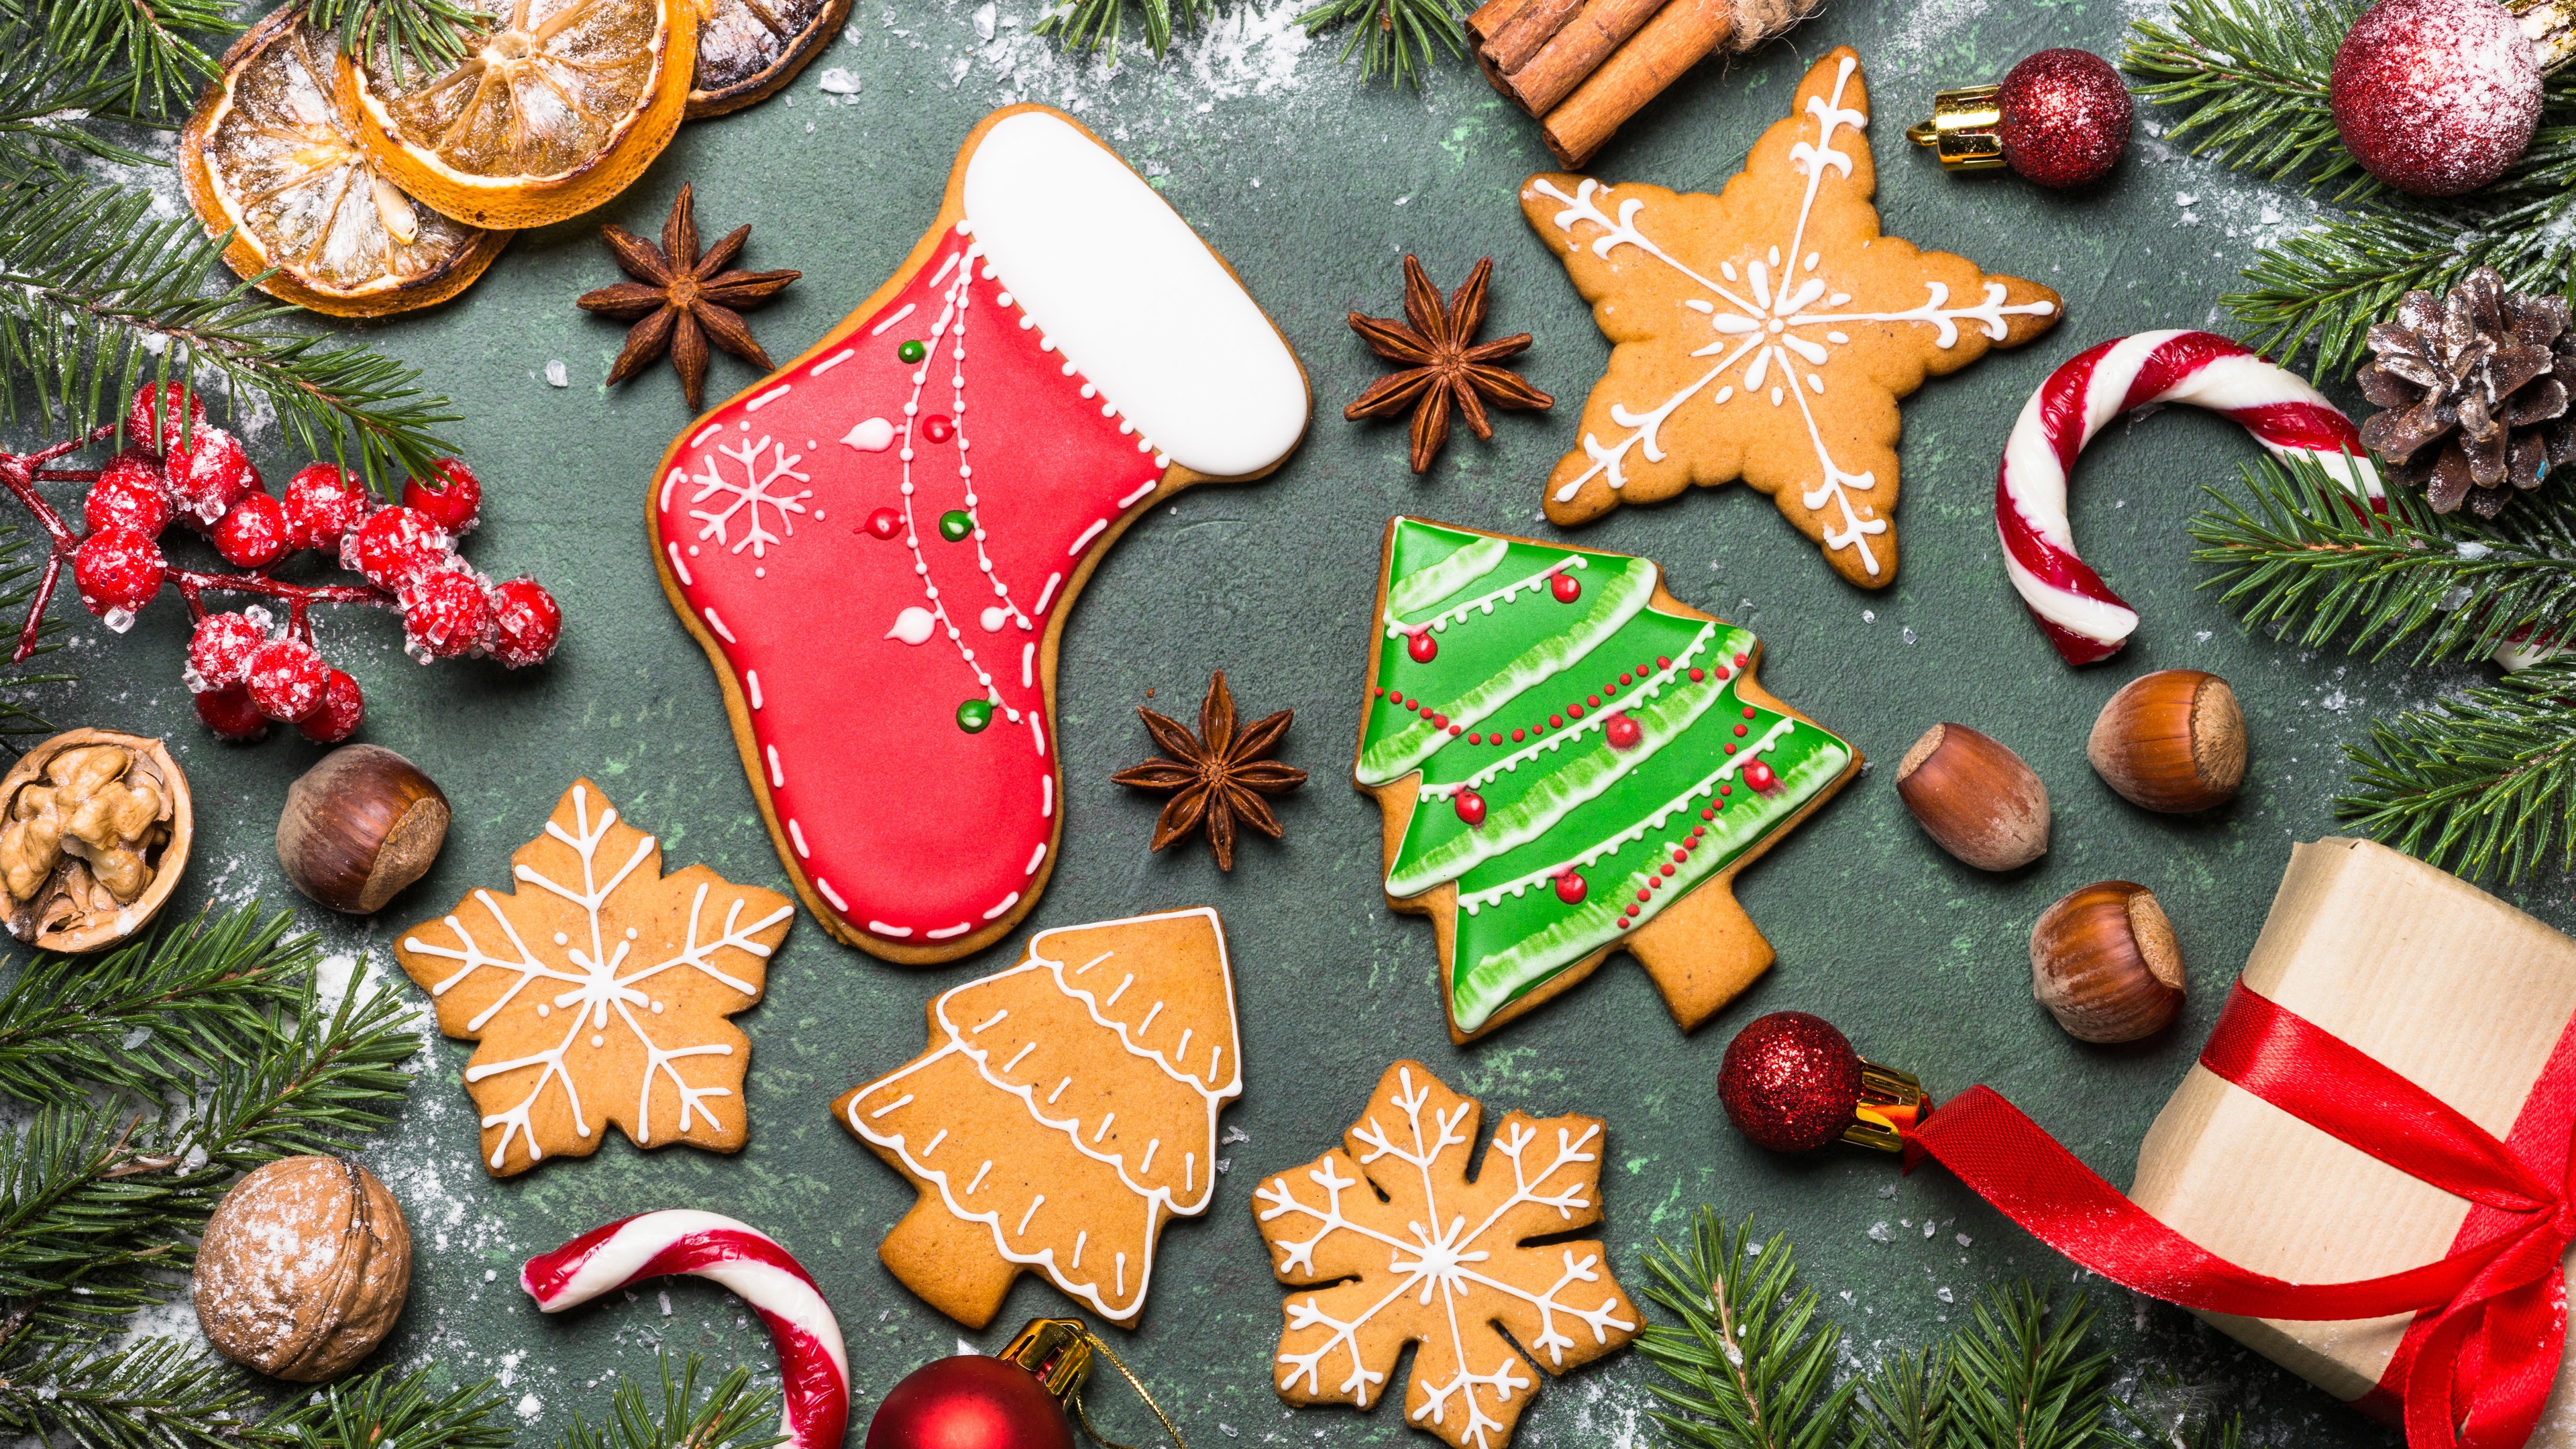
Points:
x=1132 y=297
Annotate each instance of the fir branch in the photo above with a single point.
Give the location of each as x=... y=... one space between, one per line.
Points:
x=17 y=586
x=1085 y=26
x=95 y=296
x=2250 y=77
x=1396 y=38
x=1904 y=1403
x=2024 y=1377
x=44 y=103
x=730 y=1417
x=138 y=1019
x=154 y=1394
x=2297 y=555
x=157 y=52
x=380 y=1411
x=2484 y=782
x=1751 y=1367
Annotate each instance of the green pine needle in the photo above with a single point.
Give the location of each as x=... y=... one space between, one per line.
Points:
x=154 y=53
x=401 y=34
x=1399 y=39
x=380 y=1411
x=1904 y=1402
x=731 y=1416
x=2250 y=77
x=1086 y=26
x=1750 y=1366
x=2482 y=783
x=2025 y=1377
x=2297 y=556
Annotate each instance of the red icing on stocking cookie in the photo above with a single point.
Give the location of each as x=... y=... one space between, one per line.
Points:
x=878 y=543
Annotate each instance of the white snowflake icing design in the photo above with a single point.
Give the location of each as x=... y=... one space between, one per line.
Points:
x=598 y=982
x=1765 y=320
x=746 y=498
x=1448 y=1253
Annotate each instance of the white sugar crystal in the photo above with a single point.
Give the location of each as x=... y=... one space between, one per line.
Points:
x=557 y=375
x=839 y=82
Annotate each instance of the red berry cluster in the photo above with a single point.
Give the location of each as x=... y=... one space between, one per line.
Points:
x=244 y=669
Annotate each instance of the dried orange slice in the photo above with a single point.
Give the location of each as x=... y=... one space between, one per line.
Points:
x=270 y=157
x=551 y=111
x=747 y=49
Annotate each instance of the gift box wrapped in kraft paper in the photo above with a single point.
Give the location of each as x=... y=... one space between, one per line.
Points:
x=2366 y=1174
x=2444 y=985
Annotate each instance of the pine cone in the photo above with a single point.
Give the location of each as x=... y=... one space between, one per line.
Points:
x=2482 y=368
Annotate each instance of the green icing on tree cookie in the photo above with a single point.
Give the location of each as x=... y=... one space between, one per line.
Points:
x=1585 y=738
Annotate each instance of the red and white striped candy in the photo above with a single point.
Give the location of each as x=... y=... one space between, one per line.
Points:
x=813 y=1368
x=2070 y=603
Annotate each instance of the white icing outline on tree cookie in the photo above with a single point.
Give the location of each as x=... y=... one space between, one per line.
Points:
x=596 y=988
x=1770 y=319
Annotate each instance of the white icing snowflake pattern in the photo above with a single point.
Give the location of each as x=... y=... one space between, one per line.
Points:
x=1450 y=1246
x=745 y=499
x=1767 y=322
x=587 y=981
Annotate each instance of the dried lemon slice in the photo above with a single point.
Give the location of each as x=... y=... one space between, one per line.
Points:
x=747 y=49
x=553 y=110
x=269 y=157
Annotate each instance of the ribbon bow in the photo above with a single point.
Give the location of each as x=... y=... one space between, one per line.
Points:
x=2477 y=1365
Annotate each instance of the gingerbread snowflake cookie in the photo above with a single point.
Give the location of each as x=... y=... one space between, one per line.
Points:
x=1065 y=1111
x=598 y=988
x=1396 y=1244
x=1766 y=333
x=1572 y=762
x=877 y=544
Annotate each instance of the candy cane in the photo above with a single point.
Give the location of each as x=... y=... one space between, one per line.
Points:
x=814 y=1370
x=2070 y=603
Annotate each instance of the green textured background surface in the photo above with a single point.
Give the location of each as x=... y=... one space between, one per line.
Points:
x=1314 y=187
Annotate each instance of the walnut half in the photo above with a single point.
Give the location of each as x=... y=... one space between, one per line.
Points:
x=96 y=833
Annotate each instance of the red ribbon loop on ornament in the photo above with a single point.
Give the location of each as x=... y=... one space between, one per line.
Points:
x=2476 y=1367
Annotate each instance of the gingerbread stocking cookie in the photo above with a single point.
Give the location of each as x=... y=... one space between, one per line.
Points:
x=1571 y=761
x=878 y=543
x=1766 y=333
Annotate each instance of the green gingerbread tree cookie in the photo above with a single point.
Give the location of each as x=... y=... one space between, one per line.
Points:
x=1571 y=761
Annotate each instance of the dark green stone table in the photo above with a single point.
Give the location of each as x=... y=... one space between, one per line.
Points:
x=1315 y=187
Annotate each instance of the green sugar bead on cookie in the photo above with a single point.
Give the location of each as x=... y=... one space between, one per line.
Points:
x=912 y=351
x=973 y=715
x=955 y=524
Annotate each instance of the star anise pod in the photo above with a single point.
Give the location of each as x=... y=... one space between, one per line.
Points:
x=1216 y=777
x=683 y=299
x=1442 y=368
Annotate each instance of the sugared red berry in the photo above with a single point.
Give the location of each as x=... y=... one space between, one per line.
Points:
x=323 y=502
x=154 y=419
x=230 y=714
x=1566 y=588
x=526 y=623
x=1471 y=808
x=450 y=497
x=286 y=679
x=1422 y=647
x=118 y=571
x=393 y=547
x=955 y=524
x=885 y=523
x=343 y=709
x=128 y=492
x=253 y=534
x=208 y=474
x=1623 y=732
x=444 y=615
x=219 y=652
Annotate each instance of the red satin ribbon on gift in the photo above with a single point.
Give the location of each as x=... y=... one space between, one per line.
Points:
x=2480 y=1360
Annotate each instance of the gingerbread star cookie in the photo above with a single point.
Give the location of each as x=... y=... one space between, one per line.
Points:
x=599 y=988
x=1767 y=332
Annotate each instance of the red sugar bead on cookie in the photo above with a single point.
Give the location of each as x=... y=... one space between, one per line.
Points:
x=1471 y=808
x=1759 y=776
x=1566 y=588
x=1422 y=647
x=885 y=523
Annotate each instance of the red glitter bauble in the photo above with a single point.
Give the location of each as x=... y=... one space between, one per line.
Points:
x=969 y=1402
x=2436 y=97
x=1790 y=1081
x=2065 y=117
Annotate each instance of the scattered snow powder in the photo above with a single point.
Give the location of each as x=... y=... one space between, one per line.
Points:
x=530 y=1406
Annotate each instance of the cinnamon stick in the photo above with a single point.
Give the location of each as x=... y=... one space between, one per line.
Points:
x=1576 y=51
x=1528 y=31
x=1678 y=37
x=1490 y=17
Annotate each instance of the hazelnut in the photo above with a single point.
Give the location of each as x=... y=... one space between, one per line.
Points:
x=303 y=1268
x=96 y=832
x=2104 y=963
x=1974 y=797
x=360 y=826
x=2172 y=741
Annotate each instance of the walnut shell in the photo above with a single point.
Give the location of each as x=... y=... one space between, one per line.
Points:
x=303 y=1268
x=94 y=833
